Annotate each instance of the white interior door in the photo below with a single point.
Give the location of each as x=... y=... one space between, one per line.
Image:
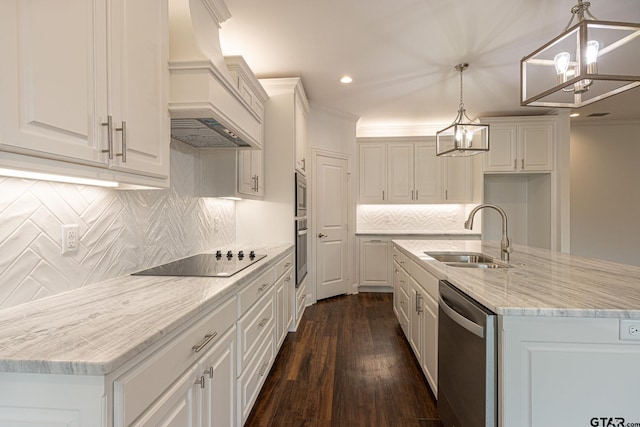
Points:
x=330 y=204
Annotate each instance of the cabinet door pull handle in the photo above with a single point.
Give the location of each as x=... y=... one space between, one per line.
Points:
x=522 y=164
x=417 y=197
x=382 y=194
x=412 y=194
x=263 y=287
x=263 y=322
x=210 y=371
x=515 y=163
x=207 y=339
x=304 y=164
x=446 y=194
x=257 y=182
x=109 y=125
x=287 y=265
x=200 y=381
x=123 y=129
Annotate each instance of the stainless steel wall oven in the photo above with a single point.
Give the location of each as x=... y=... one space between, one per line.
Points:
x=301 y=250
x=301 y=228
x=301 y=196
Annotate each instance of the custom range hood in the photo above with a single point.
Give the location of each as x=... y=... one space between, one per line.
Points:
x=206 y=106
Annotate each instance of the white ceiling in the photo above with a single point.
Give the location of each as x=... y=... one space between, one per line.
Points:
x=401 y=53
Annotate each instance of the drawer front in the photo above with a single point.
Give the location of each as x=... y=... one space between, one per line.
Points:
x=301 y=301
x=284 y=265
x=427 y=280
x=403 y=302
x=400 y=258
x=253 y=377
x=252 y=293
x=140 y=386
x=253 y=327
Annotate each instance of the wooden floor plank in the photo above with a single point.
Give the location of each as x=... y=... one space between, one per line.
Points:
x=347 y=365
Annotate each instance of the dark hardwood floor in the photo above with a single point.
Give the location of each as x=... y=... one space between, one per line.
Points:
x=348 y=364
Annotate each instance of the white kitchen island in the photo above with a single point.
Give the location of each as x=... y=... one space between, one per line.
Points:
x=566 y=354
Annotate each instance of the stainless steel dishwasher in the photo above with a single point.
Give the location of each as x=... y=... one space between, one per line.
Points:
x=467 y=366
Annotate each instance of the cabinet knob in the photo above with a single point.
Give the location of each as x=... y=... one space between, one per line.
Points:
x=320 y=235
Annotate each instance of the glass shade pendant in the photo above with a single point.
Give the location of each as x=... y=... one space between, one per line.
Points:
x=463 y=137
x=589 y=61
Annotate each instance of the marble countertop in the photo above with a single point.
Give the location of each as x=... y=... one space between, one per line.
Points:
x=443 y=233
x=539 y=283
x=95 y=329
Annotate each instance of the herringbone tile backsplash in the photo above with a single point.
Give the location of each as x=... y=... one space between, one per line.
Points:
x=120 y=231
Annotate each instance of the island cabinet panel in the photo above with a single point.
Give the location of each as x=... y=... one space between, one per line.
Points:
x=416 y=306
x=567 y=371
x=51 y=400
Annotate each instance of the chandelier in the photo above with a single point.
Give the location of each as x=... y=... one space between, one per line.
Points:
x=587 y=62
x=463 y=137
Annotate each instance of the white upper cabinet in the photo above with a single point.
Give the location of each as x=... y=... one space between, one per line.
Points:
x=521 y=144
x=301 y=108
x=427 y=171
x=53 y=79
x=64 y=78
x=410 y=172
x=250 y=175
x=400 y=173
x=138 y=85
x=373 y=172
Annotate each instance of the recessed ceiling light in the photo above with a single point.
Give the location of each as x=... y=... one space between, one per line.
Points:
x=574 y=114
x=346 y=79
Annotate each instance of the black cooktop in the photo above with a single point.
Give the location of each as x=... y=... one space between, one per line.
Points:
x=205 y=265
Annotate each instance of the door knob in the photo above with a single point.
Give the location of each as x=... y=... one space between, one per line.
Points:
x=320 y=235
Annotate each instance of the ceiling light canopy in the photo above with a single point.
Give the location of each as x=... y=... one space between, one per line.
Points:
x=587 y=62
x=463 y=137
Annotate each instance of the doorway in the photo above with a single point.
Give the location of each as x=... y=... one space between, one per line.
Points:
x=331 y=224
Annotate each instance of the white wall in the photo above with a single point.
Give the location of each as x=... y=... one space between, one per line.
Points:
x=334 y=132
x=605 y=191
x=120 y=231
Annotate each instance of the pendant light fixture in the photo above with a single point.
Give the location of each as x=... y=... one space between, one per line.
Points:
x=463 y=137
x=587 y=62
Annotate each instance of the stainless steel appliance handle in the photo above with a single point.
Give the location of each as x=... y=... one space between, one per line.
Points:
x=303 y=232
x=470 y=326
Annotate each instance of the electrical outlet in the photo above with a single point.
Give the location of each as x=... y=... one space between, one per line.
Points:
x=630 y=329
x=70 y=238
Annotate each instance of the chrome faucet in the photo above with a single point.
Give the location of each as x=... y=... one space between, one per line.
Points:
x=505 y=246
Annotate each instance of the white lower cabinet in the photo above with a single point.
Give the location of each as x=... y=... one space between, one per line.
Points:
x=416 y=304
x=375 y=264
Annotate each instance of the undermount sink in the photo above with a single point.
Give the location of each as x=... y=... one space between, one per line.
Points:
x=467 y=259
